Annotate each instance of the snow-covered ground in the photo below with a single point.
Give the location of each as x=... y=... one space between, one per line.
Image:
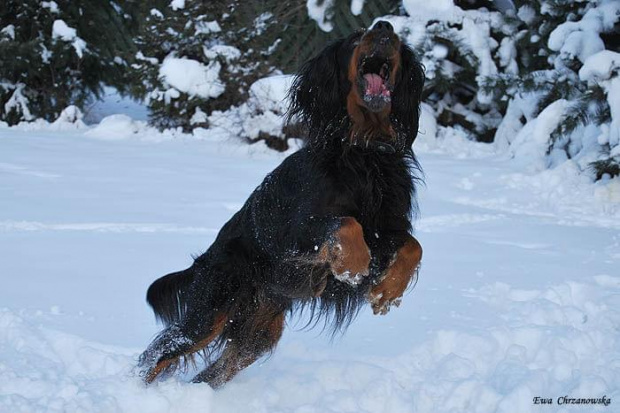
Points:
x=518 y=297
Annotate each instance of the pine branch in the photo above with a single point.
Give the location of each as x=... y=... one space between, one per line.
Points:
x=589 y=107
x=610 y=166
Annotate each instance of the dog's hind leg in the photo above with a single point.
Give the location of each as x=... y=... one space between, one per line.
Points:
x=263 y=333
x=177 y=341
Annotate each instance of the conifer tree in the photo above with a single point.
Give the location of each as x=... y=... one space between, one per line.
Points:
x=212 y=40
x=552 y=39
x=457 y=53
x=58 y=53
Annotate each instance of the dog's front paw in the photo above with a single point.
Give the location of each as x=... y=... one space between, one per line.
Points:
x=382 y=301
x=350 y=278
x=400 y=273
x=349 y=261
x=347 y=253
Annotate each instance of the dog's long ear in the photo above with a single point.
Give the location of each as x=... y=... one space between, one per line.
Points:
x=316 y=95
x=407 y=94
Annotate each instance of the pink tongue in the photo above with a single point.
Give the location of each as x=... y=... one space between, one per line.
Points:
x=374 y=84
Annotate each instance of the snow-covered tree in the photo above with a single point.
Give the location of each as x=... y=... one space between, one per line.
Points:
x=565 y=59
x=196 y=57
x=58 y=53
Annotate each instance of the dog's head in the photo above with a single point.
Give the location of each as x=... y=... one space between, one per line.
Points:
x=364 y=87
x=373 y=68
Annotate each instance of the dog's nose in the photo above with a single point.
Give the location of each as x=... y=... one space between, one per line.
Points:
x=383 y=26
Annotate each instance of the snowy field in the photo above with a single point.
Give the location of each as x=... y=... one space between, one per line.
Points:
x=518 y=297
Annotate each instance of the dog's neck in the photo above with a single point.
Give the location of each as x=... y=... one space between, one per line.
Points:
x=380 y=147
x=367 y=126
x=375 y=133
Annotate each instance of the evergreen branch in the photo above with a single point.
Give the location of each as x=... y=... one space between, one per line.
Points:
x=589 y=107
x=610 y=166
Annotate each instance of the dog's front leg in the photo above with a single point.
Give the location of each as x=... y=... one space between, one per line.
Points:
x=345 y=251
x=396 y=277
x=332 y=246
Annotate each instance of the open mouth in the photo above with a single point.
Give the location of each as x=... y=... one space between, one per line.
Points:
x=374 y=73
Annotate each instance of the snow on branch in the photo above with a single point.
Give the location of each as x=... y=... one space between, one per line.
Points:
x=60 y=30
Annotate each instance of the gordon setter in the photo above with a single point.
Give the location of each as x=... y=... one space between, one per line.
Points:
x=329 y=229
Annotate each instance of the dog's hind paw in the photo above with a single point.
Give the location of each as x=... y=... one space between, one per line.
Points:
x=160 y=370
x=162 y=356
x=153 y=364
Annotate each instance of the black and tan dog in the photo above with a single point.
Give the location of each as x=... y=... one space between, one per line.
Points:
x=329 y=229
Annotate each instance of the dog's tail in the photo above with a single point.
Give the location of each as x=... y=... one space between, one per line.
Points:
x=168 y=294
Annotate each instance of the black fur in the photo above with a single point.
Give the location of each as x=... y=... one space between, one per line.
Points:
x=262 y=263
x=166 y=296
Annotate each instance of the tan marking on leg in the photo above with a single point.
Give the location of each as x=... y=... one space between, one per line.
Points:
x=274 y=331
x=235 y=358
x=156 y=371
x=346 y=252
x=163 y=365
x=396 y=278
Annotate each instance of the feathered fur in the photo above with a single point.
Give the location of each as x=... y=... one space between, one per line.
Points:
x=166 y=296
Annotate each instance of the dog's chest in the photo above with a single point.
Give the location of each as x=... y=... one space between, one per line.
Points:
x=380 y=191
